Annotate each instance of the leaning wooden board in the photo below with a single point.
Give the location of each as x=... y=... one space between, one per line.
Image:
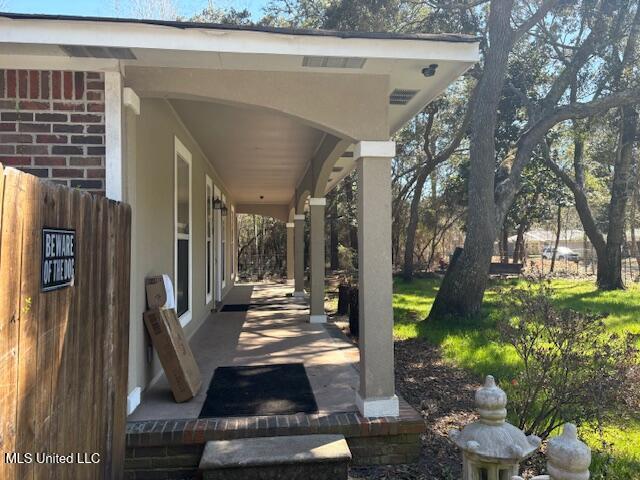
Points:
x=174 y=352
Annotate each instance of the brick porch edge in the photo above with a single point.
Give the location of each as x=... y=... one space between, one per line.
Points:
x=171 y=449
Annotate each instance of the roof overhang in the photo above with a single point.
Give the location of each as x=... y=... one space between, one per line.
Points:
x=42 y=41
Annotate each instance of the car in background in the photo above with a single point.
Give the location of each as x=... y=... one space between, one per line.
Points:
x=563 y=253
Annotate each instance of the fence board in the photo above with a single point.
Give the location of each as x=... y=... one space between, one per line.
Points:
x=27 y=347
x=45 y=344
x=10 y=241
x=63 y=353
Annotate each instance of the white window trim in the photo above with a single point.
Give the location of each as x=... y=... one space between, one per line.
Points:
x=185 y=154
x=217 y=240
x=208 y=235
x=224 y=242
x=234 y=266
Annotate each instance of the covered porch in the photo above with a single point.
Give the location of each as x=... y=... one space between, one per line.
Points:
x=268 y=125
x=275 y=330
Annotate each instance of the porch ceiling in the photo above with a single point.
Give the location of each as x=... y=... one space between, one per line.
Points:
x=256 y=152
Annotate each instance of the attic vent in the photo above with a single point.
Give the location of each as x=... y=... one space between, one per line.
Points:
x=337 y=169
x=401 y=97
x=98 y=52
x=333 y=62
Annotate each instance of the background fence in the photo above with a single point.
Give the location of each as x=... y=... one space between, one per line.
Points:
x=258 y=267
x=63 y=353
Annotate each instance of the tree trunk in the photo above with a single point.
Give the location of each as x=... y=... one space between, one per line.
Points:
x=464 y=284
x=410 y=240
x=518 y=248
x=611 y=276
x=557 y=242
x=504 y=245
x=351 y=223
x=635 y=252
x=333 y=234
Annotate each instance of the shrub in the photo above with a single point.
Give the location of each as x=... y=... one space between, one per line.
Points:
x=572 y=369
x=347 y=258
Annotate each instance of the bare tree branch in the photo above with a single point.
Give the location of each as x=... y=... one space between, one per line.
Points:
x=506 y=190
x=529 y=23
x=456 y=6
x=582 y=203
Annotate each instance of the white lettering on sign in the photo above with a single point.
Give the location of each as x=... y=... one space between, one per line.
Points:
x=58 y=258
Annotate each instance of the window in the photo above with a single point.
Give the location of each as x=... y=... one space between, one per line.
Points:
x=223 y=256
x=506 y=474
x=209 y=239
x=183 y=232
x=233 y=242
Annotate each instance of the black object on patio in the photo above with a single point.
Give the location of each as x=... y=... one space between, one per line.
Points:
x=281 y=389
x=235 y=307
x=354 y=313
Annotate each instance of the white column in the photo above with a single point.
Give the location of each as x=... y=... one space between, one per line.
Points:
x=290 y=252
x=113 y=115
x=316 y=208
x=131 y=102
x=298 y=261
x=376 y=396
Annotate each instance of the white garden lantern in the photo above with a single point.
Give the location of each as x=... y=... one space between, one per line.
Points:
x=492 y=449
x=567 y=457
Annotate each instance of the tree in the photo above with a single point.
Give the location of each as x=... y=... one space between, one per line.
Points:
x=464 y=284
x=147 y=9
x=609 y=249
x=540 y=195
x=231 y=16
x=437 y=146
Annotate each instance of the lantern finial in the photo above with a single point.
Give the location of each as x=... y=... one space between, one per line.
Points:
x=567 y=457
x=491 y=402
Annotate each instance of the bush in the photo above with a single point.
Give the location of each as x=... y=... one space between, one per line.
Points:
x=572 y=369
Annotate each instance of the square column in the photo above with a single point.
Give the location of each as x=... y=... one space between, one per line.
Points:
x=316 y=208
x=298 y=253
x=376 y=396
x=290 y=253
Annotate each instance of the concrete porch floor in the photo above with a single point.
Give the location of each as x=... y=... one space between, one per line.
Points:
x=165 y=439
x=278 y=332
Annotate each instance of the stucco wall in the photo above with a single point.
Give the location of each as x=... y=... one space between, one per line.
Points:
x=153 y=226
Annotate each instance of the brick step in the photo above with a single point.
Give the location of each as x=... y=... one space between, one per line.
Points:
x=298 y=457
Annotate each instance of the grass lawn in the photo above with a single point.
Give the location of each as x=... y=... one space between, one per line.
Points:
x=474 y=345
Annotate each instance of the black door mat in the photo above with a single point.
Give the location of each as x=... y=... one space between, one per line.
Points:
x=273 y=302
x=282 y=389
x=235 y=307
x=277 y=306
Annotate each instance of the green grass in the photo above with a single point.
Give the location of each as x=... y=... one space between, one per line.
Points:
x=475 y=345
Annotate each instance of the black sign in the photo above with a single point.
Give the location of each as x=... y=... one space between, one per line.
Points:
x=58 y=258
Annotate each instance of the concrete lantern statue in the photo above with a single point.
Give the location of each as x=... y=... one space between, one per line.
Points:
x=492 y=449
x=567 y=457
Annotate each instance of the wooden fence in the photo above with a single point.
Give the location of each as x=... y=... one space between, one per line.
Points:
x=63 y=353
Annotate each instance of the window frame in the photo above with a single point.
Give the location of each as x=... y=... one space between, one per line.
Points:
x=224 y=244
x=182 y=153
x=209 y=239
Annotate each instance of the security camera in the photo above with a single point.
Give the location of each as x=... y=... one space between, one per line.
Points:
x=430 y=71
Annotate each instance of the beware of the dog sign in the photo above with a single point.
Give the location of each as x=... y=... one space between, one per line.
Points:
x=58 y=258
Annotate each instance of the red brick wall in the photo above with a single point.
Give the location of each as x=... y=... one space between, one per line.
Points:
x=52 y=125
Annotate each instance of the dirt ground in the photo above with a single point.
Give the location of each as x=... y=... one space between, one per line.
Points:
x=444 y=396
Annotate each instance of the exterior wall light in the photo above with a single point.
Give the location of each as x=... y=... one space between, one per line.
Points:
x=430 y=71
x=224 y=210
x=217 y=204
